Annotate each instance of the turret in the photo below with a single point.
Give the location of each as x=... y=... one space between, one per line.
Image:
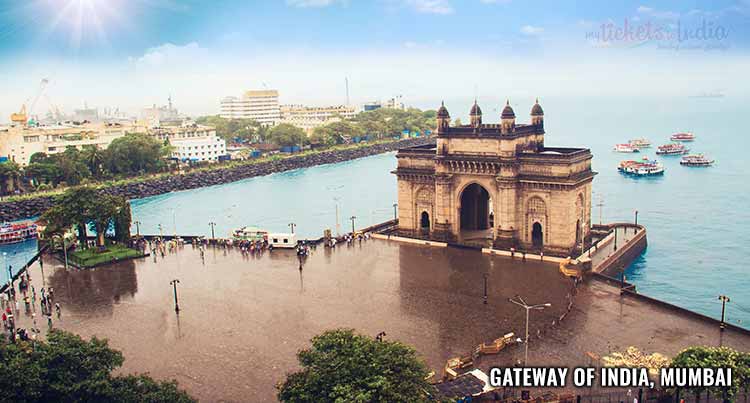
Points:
x=476 y=115
x=537 y=114
x=443 y=119
x=507 y=119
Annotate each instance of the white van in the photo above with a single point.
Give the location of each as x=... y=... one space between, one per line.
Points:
x=282 y=240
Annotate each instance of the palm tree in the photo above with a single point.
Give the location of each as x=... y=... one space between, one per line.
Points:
x=94 y=158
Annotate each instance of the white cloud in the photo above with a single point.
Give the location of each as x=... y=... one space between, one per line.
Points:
x=531 y=30
x=654 y=13
x=170 y=54
x=442 y=7
x=312 y=3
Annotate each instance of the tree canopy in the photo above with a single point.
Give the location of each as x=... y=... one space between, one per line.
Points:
x=286 y=135
x=67 y=368
x=135 y=153
x=83 y=206
x=344 y=366
x=717 y=357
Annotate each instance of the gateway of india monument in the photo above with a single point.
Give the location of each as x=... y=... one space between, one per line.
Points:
x=496 y=185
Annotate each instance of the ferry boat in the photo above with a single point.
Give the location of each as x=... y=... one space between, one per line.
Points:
x=682 y=137
x=17 y=232
x=640 y=143
x=250 y=234
x=672 y=149
x=644 y=167
x=626 y=148
x=696 y=160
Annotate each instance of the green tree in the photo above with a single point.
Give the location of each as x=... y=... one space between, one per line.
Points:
x=10 y=174
x=74 y=208
x=94 y=158
x=67 y=368
x=342 y=366
x=285 y=134
x=122 y=221
x=716 y=357
x=135 y=153
x=102 y=213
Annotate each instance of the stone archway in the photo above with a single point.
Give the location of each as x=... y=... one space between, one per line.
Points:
x=424 y=222
x=537 y=235
x=474 y=208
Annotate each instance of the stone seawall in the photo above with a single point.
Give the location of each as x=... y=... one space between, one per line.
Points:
x=17 y=210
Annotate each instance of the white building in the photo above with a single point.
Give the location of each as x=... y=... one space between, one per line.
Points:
x=193 y=142
x=261 y=106
x=310 y=117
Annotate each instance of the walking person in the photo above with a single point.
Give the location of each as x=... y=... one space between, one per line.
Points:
x=49 y=321
x=58 y=310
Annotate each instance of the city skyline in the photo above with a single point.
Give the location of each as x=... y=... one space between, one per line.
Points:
x=135 y=54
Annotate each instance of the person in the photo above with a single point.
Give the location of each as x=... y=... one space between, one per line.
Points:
x=58 y=310
x=49 y=322
x=5 y=319
x=51 y=293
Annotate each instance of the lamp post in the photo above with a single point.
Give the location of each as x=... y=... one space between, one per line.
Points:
x=724 y=299
x=161 y=231
x=137 y=228
x=486 y=275
x=176 y=304
x=65 y=251
x=528 y=307
x=353 y=218
x=636 y=218
x=292 y=225
x=213 y=225
x=395 y=211
x=5 y=262
x=338 y=226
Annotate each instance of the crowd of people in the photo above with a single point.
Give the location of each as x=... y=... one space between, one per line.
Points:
x=10 y=300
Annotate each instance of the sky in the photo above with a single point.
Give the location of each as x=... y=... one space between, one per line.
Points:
x=134 y=53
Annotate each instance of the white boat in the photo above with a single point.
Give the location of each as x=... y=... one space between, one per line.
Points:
x=626 y=148
x=282 y=240
x=644 y=167
x=249 y=234
x=688 y=136
x=17 y=232
x=696 y=160
x=640 y=142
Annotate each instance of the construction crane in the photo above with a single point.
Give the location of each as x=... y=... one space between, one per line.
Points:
x=22 y=116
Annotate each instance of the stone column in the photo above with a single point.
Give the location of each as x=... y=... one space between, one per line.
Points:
x=506 y=220
x=444 y=208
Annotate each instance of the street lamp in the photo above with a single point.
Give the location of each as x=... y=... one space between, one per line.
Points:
x=174 y=285
x=137 y=228
x=353 y=218
x=724 y=299
x=395 y=211
x=292 y=225
x=486 y=275
x=65 y=251
x=338 y=226
x=213 y=225
x=528 y=307
x=161 y=231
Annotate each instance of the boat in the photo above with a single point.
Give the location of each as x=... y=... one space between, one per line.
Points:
x=640 y=143
x=672 y=149
x=644 y=167
x=626 y=148
x=696 y=160
x=17 y=232
x=682 y=137
x=282 y=240
x=250 y=234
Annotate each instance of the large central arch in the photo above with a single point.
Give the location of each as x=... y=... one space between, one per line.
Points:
x=475 y=208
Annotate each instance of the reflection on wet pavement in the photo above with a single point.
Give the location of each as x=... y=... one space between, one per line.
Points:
x=242 y=319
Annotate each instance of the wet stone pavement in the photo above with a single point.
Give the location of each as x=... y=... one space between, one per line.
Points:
x=243 y=318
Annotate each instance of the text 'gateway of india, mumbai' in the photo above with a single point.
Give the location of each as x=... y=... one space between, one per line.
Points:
x=496 y=185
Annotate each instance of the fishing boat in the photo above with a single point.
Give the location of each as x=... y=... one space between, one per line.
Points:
x=682 y=137
x=17 y=232
x=644 y=167
x=696 y=160
x=250 y=234
x=640 y=143
x=672 y=149
x=626 y=148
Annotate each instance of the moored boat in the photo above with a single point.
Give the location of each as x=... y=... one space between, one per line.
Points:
x=672 y=149
x=17 y=232
x=682 y=137
x=644 y=167
x=696 y=160
x=626 y=148
x=250 y=234
x=640 y=143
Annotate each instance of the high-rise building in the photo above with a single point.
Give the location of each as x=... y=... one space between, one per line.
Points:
x=261 y=106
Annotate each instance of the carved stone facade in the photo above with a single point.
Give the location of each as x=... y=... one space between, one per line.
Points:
x=496 y=184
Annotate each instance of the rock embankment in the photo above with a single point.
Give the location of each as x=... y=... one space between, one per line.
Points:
x=20 y=209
